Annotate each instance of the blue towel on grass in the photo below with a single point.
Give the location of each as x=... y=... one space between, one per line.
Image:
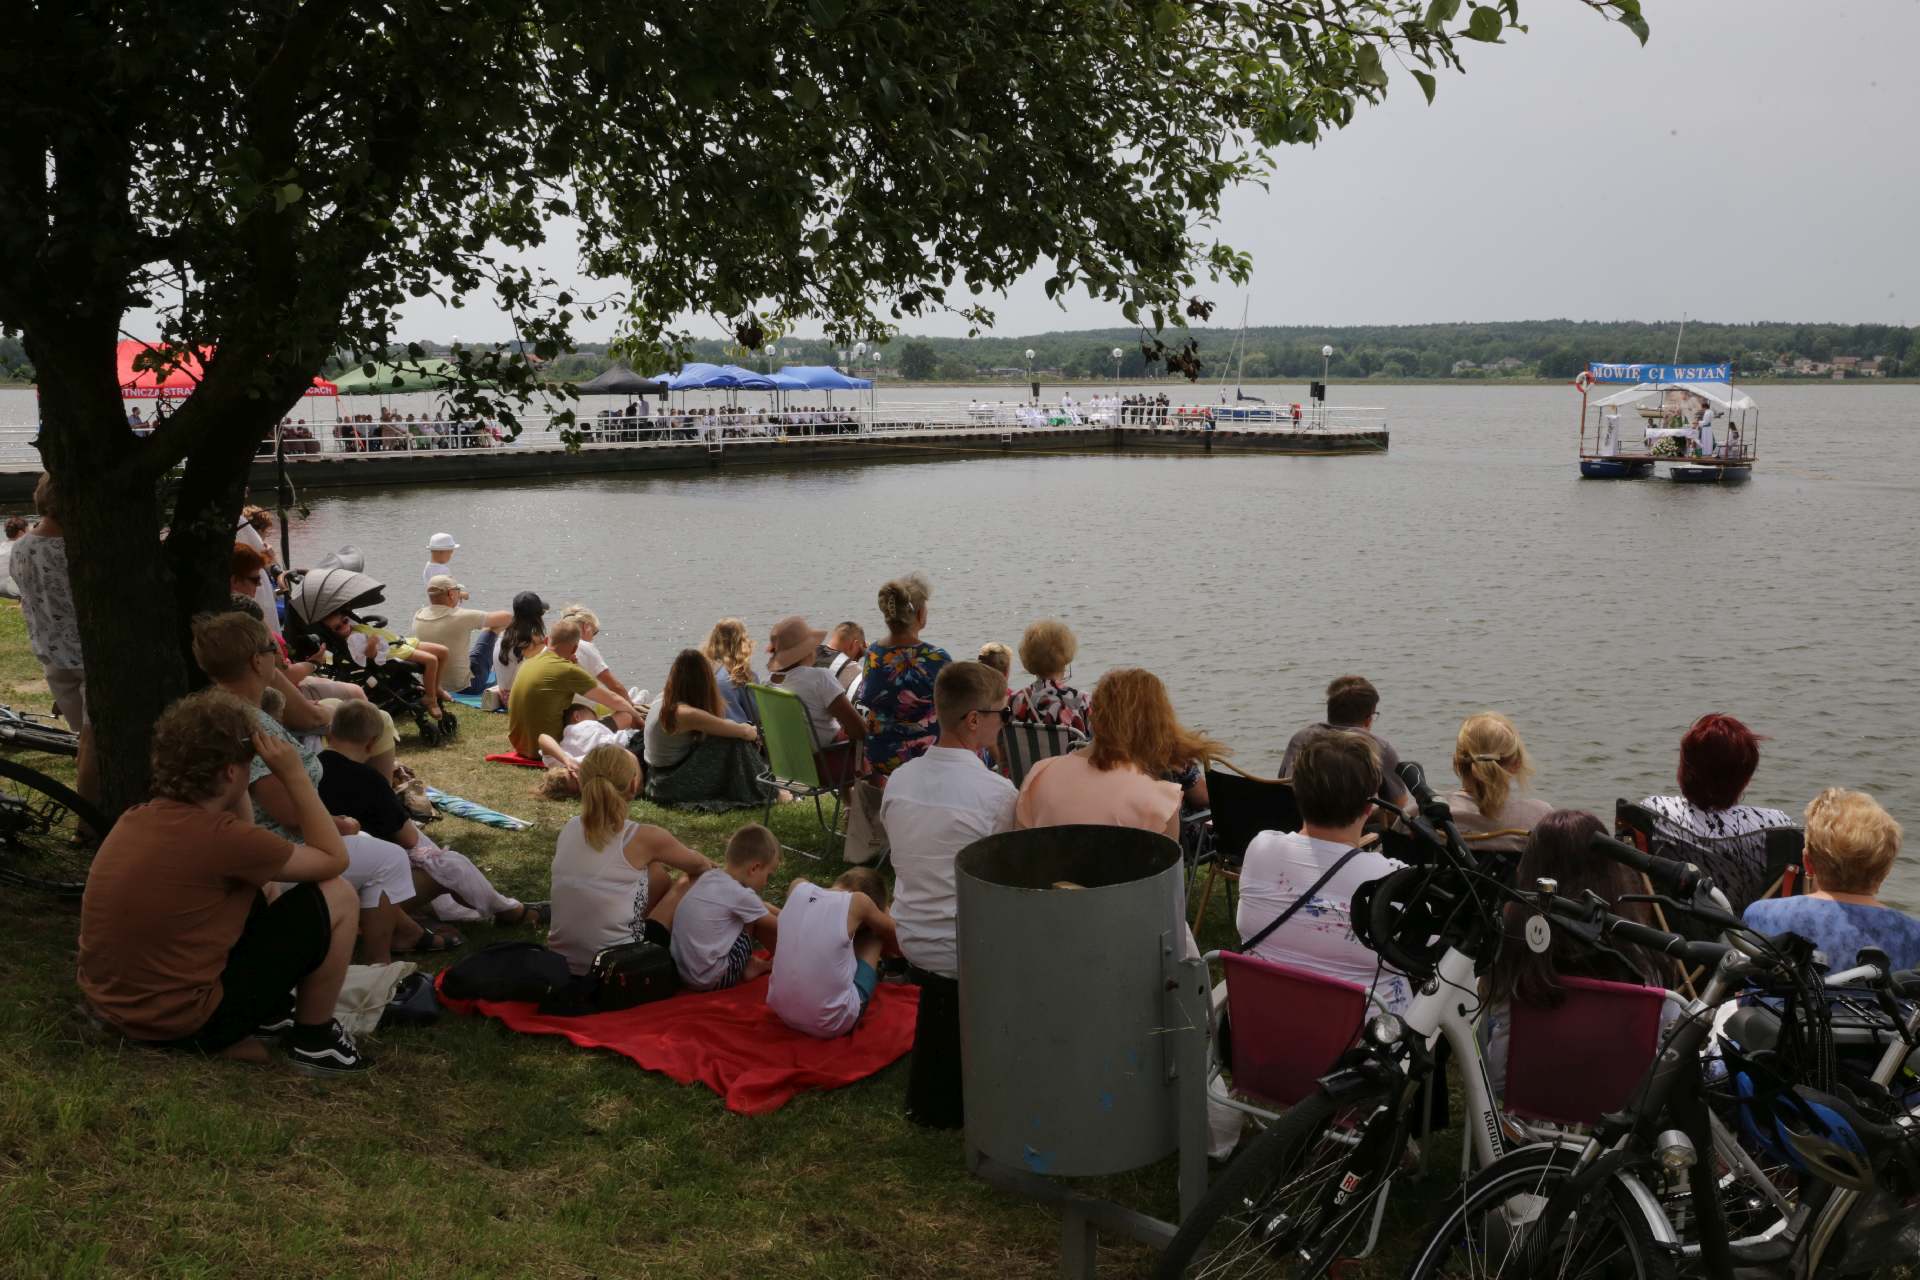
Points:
x=472 y=812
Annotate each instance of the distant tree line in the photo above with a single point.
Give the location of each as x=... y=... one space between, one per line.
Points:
x=1518 y=349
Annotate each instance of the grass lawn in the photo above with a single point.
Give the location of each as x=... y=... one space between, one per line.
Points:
x=469 y=1150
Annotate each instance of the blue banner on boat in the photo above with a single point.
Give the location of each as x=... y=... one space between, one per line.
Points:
x=1661 y=372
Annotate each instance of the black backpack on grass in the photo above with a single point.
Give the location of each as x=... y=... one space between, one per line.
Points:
x=523 y=971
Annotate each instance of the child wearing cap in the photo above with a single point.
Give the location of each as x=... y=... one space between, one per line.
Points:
x=440 y=549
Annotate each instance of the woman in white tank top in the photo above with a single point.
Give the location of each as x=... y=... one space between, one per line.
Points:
x=611 y=876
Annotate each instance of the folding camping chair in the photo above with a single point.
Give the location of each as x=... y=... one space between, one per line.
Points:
x=1243 y=806
x=794 y=763
x=1023 y=745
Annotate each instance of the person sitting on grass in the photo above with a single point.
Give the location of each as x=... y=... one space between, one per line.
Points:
x=842 y=652
x=353 y=788
x=447 y=622
x=237 y=654
x=369 y=646
x=588 y=654
x=730 y=649
x=525 y=636
x=722 y=916
x=696 y=757
x=999 y=657
x=180 y=945
x=612 y=877
x=548 y=684
x=828 y=961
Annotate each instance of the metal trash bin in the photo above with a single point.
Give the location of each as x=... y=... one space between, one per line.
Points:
x=1083 y=1011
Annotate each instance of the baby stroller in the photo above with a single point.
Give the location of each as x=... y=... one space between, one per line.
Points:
x=336 y=585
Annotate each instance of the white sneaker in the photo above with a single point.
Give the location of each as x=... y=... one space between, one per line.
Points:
x=637 y=696
x=490 y=699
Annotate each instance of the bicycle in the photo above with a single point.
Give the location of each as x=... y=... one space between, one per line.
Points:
x=43 y=822
x=1291 y=1203
x=1635 y=1199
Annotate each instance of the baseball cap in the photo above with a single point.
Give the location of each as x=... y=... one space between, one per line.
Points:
x=442 y=542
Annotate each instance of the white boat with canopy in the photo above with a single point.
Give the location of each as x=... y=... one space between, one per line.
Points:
x=1691 y=418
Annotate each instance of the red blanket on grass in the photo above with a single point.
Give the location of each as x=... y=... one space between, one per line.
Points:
x=514 y=757
x=730 y=1041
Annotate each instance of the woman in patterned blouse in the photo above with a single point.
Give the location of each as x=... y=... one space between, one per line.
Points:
x=1717 y=760
x=1046 y=651
x=896 y=680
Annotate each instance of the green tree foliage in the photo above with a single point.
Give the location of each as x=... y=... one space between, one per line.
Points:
x=277 y=177
x=917 y=361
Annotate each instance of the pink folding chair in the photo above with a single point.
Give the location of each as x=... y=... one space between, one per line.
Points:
x=1575 y=1063
x=1289 y=1026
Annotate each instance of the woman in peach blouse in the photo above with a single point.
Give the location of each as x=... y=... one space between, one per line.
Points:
x=1117 y=780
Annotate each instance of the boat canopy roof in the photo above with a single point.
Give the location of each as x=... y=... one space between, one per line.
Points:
x=1720 y=393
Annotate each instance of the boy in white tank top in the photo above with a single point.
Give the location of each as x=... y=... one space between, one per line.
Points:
x=827 y=964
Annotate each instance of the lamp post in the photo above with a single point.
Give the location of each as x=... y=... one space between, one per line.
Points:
x=1029 y=367
x=1326 y=357
x=769 y=352
x=859 y=354
x=1116 y=368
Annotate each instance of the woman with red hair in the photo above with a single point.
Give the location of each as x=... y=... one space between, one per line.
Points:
x=1717 y=760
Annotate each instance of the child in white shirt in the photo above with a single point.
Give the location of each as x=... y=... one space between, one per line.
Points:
x=831 y=940
x=722 y=917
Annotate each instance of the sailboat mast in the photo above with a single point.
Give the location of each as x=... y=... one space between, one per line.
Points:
x=1677 y=337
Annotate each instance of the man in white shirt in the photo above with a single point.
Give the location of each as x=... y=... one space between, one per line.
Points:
x=1336 y=775
x=933 y=807
x=445 y=622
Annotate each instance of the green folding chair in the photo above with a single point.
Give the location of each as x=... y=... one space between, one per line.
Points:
x=793 y=763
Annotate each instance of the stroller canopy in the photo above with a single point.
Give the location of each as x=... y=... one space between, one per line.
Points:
x=324 y=591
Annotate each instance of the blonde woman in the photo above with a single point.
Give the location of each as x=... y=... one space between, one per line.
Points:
x=1852 y=844
x=612 y=881
x=1132 y=774
x=587 y=655
x=730 y=650
x=1492 y=763
x=896 y=680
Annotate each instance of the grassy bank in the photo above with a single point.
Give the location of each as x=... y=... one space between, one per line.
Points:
x=470 y=1150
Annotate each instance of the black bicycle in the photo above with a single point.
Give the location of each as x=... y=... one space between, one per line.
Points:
x=48 y=833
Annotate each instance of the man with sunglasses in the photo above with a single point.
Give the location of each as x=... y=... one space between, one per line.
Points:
x=934 y=806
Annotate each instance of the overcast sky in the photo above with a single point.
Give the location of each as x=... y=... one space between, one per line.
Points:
x=1755 y=161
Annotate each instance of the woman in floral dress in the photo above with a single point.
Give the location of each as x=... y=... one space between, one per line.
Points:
x=896 y=680
x=1046 y=651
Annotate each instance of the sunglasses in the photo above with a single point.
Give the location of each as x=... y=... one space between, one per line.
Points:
x=1005 y=713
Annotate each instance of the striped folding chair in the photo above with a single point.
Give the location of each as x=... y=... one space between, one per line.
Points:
x=1022 y=745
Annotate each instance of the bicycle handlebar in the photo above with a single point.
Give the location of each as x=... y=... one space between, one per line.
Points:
x=1677 y=878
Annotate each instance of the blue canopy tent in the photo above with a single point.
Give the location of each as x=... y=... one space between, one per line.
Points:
x=820 y=377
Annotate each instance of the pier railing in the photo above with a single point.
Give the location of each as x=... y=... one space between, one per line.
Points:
x=716 y=430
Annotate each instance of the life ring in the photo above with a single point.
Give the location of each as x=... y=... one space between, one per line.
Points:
x=1583 y=380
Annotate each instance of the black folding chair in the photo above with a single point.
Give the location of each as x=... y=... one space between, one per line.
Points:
x=1243 y=806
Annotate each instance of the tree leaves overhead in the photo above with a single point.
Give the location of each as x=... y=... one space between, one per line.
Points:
x=281 y=177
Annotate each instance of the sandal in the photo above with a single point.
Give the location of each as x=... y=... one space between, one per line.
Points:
x=537 y=914
x=433 y=942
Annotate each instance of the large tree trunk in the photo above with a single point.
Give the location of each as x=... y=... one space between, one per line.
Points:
x=122 y=590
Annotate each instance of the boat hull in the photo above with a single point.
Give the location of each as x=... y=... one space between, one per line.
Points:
x=1615 y=469
x=1709 y=475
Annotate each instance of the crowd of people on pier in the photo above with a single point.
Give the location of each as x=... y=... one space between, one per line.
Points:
x=284 y=840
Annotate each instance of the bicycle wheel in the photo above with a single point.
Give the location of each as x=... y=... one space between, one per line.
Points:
x=1488 y=1230
x=40 y=831
x=1267 y=1216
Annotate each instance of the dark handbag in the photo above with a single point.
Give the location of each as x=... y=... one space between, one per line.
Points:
x=632 y=973
x=506 y=971
x=413 y=1003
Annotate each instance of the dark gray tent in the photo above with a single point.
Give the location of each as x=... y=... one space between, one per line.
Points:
x=621 y=381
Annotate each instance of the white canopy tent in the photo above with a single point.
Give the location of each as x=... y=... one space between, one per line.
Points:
x=1717 y=393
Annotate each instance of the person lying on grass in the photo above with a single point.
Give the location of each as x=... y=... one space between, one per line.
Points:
x=828 y=961
x=353 y=788
x=721 y=918
x=238 y=655
x=581 y=734
x=180 y=945
x=612 y=877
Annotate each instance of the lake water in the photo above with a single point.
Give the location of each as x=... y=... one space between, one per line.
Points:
x=1469 y=568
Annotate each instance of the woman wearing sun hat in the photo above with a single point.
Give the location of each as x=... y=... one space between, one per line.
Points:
x=836 y=725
